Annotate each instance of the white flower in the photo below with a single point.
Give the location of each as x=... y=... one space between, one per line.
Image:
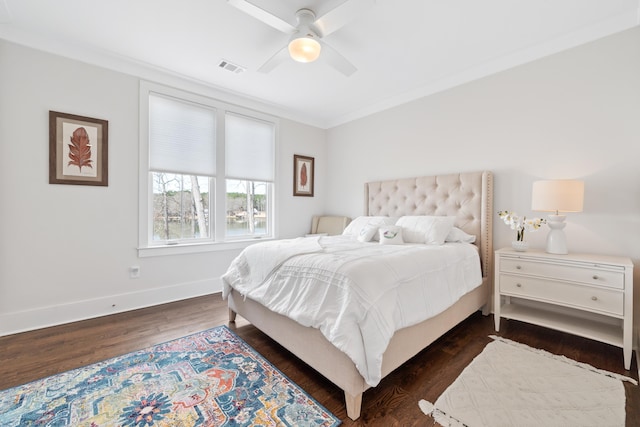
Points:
x=521 y=225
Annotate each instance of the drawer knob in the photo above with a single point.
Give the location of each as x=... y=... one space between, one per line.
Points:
x=518 y=267
x=518 y=285
x=594 y=298
x=595 y=277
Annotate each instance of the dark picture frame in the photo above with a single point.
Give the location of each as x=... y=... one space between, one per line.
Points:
x=303 y=175
x=78 y=150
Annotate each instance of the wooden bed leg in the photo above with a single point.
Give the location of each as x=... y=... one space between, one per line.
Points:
x=354 y=404
x=485 y=310
x=232 y=316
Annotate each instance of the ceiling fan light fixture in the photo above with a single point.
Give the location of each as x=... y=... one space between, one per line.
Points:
x=304 y=49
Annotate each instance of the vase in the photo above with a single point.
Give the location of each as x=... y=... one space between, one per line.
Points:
x=519 y=245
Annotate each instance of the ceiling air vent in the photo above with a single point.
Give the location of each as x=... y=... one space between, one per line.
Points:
x=234 y=68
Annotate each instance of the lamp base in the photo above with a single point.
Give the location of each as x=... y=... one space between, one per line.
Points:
x=556 y=240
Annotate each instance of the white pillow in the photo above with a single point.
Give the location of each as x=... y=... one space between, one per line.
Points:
x=457 y=235
x=356 y=226
x=367 y=232
x=431 y=230
x=390 y=235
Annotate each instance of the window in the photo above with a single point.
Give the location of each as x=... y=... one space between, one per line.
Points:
x=206 y=171
x=180 y=207
x=182 y=164
x=249 y=175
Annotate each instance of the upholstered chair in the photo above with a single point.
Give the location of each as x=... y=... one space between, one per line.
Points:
x=329 y=224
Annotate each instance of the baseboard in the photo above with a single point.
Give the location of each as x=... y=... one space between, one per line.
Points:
x=28 y=320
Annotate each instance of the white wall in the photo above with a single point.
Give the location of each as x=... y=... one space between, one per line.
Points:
x=572 y=115
x=65 y=250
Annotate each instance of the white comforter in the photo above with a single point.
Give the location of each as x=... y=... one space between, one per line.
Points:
x=357 y=294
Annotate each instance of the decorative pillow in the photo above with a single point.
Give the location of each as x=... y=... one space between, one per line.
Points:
x=457 y=235
x=432 y=230
x=356 y=226
x=390 y=235
x=367 y=232
x=387 y=221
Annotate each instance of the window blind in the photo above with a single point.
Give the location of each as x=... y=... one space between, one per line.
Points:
x=249 y=148
x=182 y=137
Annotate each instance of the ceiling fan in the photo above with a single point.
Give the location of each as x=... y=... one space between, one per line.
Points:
x=305 y=43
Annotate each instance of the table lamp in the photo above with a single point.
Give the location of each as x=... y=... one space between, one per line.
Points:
x=557 y=196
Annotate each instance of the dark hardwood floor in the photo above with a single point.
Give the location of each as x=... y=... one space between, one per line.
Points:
x=31 y=355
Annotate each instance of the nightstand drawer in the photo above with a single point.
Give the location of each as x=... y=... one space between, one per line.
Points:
x=574 y=295
x=574 y=272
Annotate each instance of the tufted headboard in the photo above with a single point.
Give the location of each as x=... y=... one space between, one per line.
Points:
x=467 y=196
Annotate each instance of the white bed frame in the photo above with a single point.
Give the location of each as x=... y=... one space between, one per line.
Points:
x=468 y=196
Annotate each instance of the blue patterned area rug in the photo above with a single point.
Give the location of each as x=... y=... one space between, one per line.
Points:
x=212 y=378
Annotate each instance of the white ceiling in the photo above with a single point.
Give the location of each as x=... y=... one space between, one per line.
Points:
x=403 y=49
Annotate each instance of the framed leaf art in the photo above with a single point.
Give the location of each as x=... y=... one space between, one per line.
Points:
x=78 y=150
x=303 y=171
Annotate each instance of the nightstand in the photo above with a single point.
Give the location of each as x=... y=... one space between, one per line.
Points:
x=582 y=294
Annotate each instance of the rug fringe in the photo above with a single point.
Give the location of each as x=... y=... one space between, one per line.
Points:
x=426 y=407
x=440 y=417
x=565 y=359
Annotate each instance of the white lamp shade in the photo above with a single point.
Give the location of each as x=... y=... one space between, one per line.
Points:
x=557 y=196
x=304 y=49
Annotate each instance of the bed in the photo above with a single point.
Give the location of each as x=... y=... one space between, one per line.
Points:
x=468 y=197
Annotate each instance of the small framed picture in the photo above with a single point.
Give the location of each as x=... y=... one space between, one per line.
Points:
x=78 y=150
x=303 y=170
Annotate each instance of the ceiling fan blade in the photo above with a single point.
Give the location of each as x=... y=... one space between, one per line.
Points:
x=336 y=18
x=280 y=56
x=336 y=60
x=262 y=15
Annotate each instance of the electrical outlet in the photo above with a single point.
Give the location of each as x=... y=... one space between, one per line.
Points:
x=134 y=272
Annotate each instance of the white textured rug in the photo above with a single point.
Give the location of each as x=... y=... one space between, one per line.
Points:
x=511 y=384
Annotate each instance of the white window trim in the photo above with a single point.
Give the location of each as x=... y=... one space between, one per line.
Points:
x=217 y=242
